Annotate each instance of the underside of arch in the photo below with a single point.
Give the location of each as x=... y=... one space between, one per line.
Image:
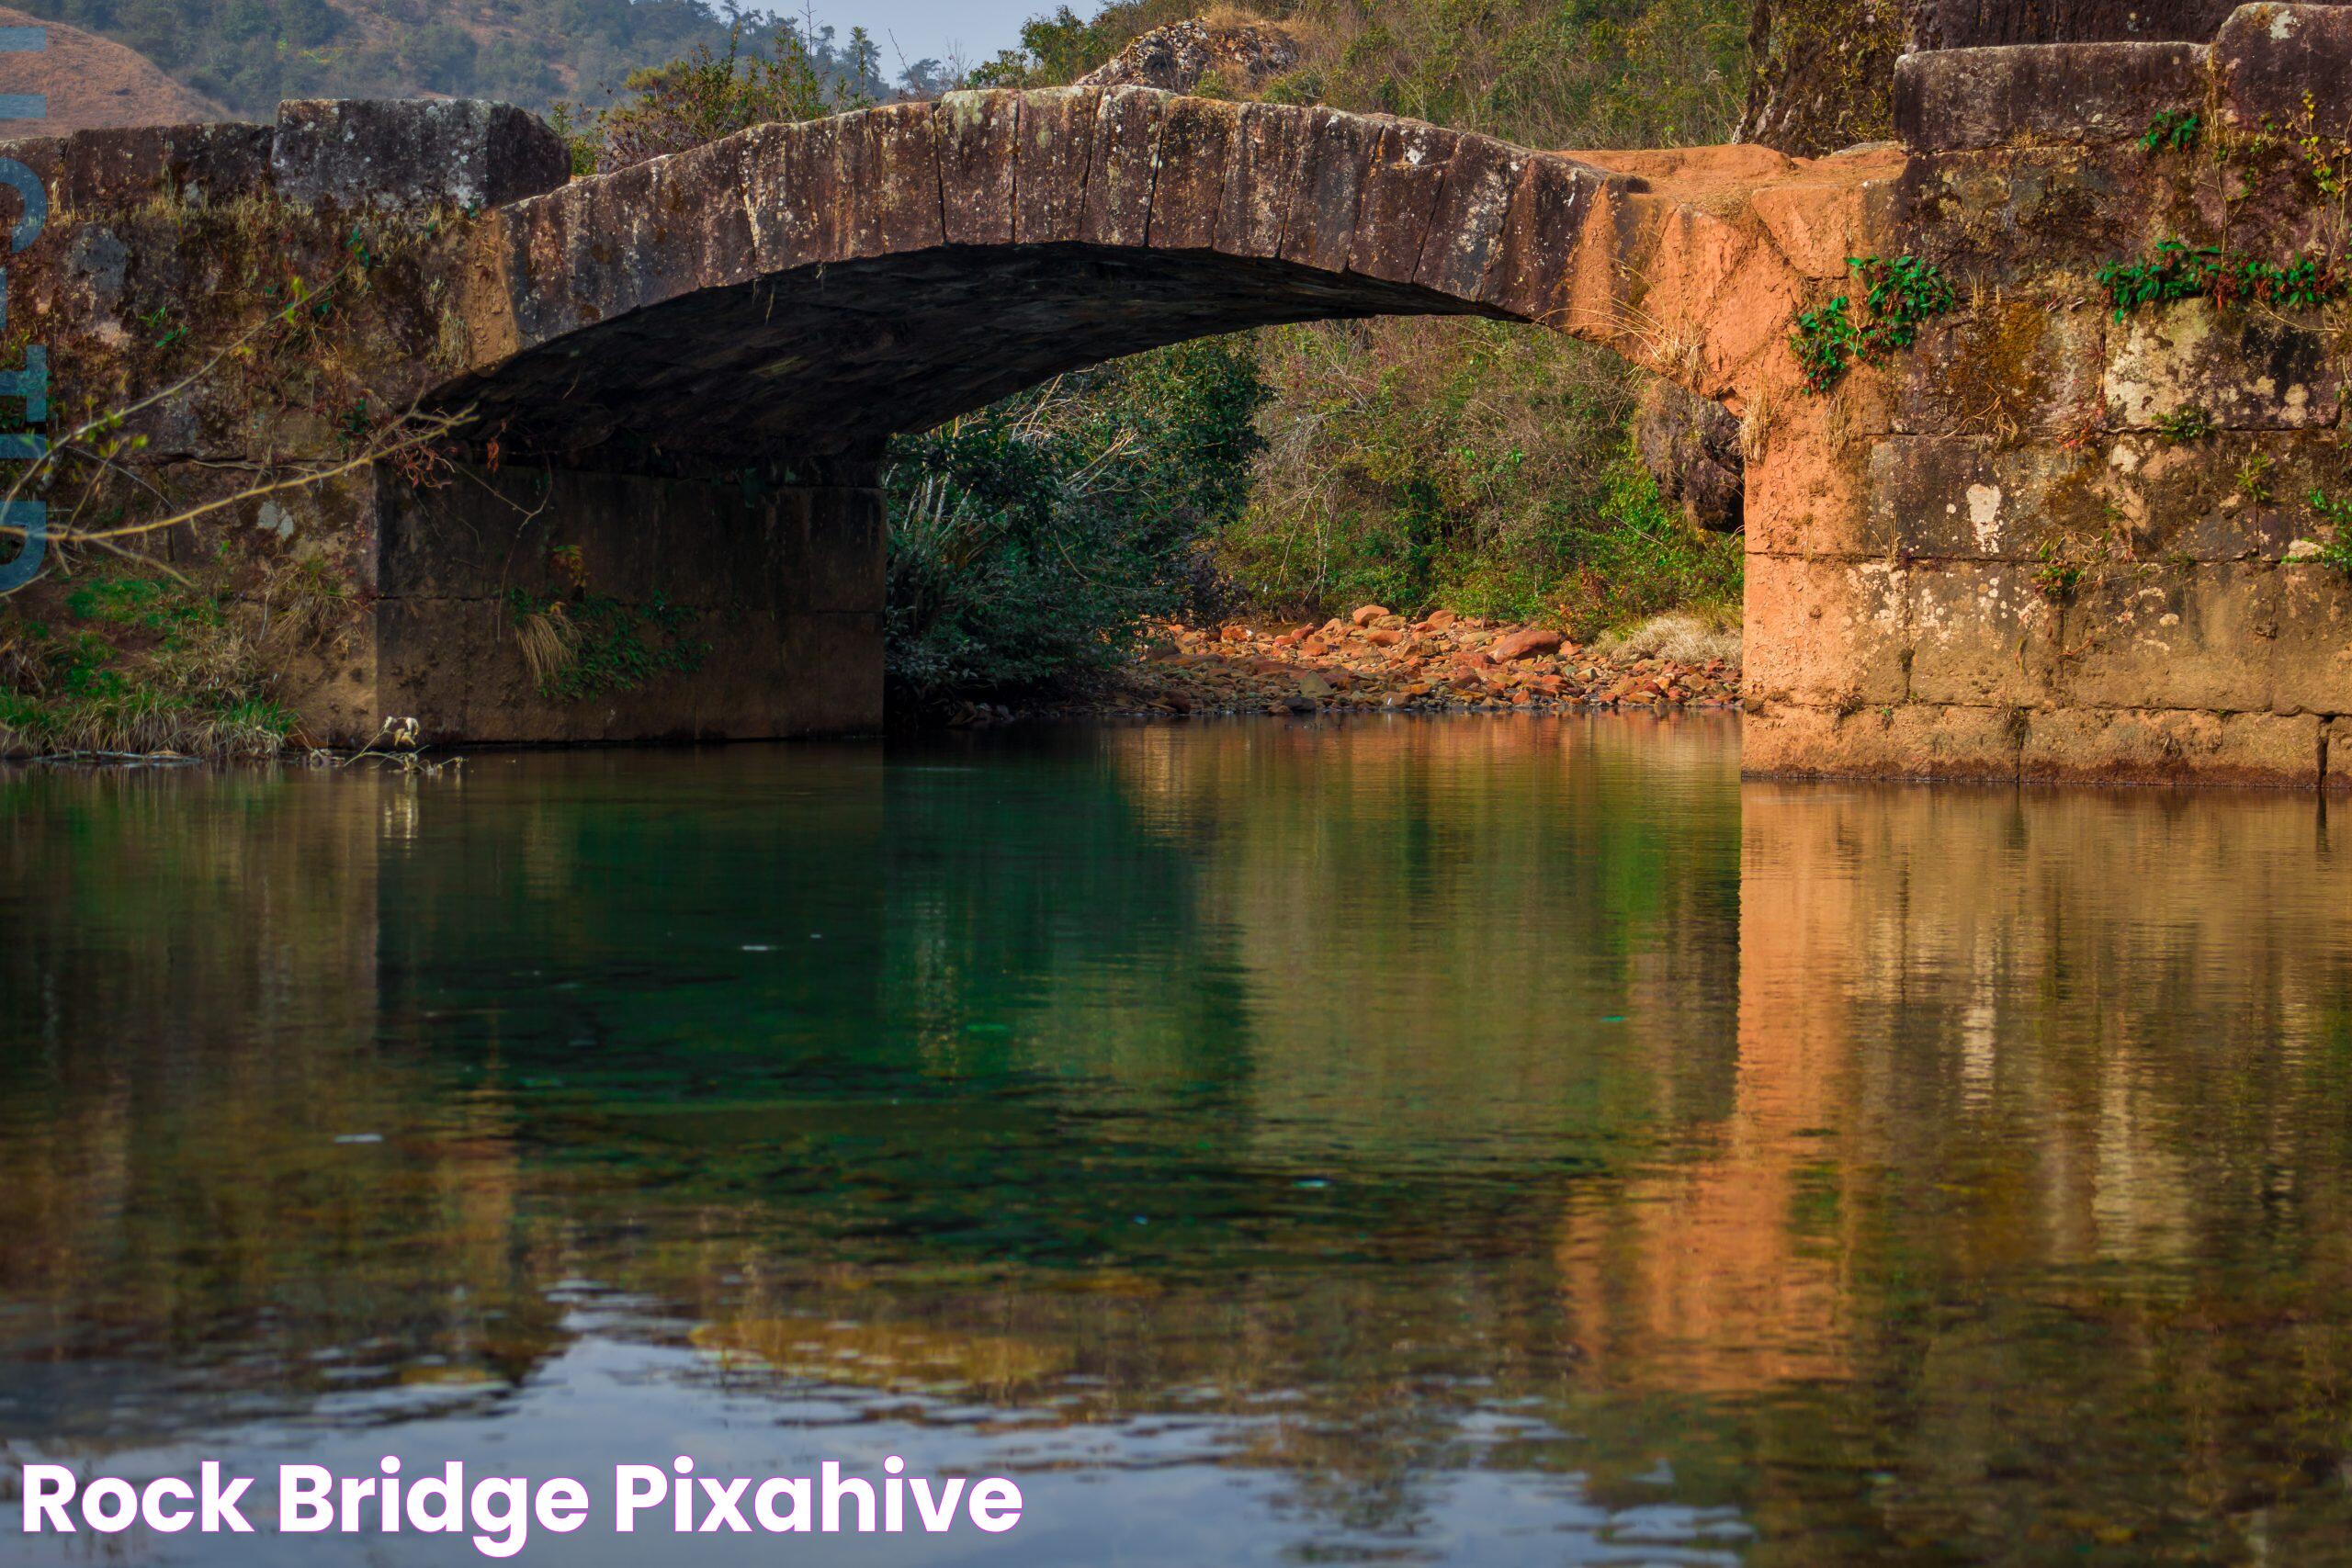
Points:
x=831 y=357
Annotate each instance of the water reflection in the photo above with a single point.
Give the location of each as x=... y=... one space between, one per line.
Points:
x=1477 y=1141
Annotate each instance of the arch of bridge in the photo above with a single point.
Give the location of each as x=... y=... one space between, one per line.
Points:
x=817 y=286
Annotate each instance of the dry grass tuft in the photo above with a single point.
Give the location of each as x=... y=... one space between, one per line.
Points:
x=550 y=642
x=1682 y=636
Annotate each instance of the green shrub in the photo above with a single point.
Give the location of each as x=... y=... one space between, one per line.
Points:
x=1029 y=542
x=1481 y=467
x=711 y=93
x=589 y=645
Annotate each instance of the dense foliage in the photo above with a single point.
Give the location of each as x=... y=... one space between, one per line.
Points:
x=713 y=92
x=247 y=54
x=1479 y=465
x=1030 y=542
x=1545 y=73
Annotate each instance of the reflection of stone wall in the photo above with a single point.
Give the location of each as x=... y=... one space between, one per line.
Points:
x=1996 y=1052
x=171 y=1107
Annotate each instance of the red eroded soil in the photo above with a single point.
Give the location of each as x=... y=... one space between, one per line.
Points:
x=91 y=84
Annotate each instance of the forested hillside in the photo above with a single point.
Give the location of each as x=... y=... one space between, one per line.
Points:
x=247 y=54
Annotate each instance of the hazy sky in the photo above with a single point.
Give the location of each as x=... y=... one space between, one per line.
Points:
x=980 y=28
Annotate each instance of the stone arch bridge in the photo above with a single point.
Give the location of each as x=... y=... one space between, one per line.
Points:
x=1987 y=557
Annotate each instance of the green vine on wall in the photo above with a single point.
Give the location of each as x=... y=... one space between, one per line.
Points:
x=2337 y=552
x=2173 y=129
x=1899 y=293
x=2180 y=271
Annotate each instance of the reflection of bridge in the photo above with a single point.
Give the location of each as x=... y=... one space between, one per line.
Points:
x=1983 y=557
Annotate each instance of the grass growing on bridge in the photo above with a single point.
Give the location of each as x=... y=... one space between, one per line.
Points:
x=589 y=645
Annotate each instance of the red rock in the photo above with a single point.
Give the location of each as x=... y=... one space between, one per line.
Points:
x=1439 y=620
x=1235 y=634
x=1366 y=614
x=1387 y=637
x=1519 y=645
x=1314 y=647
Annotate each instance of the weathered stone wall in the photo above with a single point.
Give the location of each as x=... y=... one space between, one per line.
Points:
x=768 y=604
x=2079 y=547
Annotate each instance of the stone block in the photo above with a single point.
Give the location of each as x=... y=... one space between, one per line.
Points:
x=2267 y=58
x=885 y=185
x=1321 y=228
x=2006 y=369
x=2077 y=745
x=1542 y=231
x=1829 y=633
x=2166 y=635
x=1954 y=497
x=1267 y=148
x=1198 y=138
x=112 y=170
x=2335 y=754
x=1981 y=632
x=2245 y=371
x=600 y=248
x=2041 y=94
x=1818 y=226
x=1056 y=151
x=2311 y=659
x=844 y=556
x=977 y=157
x=2235 y=495
x=413 y=155
x=1806 y=476
x=1402 y=185
x=1473 y=207
x=1908 y=740
x=1119 y=177
x=1999 y=218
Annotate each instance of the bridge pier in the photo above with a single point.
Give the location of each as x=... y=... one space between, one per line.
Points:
x=689 y=609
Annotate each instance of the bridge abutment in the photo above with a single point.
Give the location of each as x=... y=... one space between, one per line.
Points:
x=562 y=604
x=2079 y=535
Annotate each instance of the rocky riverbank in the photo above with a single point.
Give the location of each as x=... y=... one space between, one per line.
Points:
x=1372 y=661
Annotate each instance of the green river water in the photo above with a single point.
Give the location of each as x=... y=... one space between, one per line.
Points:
x=1454 y=1141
